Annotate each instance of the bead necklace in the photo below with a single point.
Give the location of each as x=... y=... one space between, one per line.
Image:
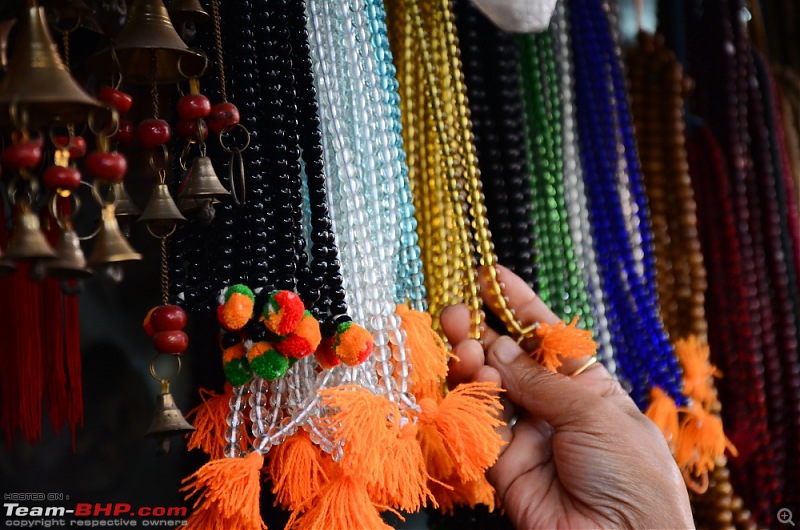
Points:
x=454 y=234
x=575 y=196
x=645 y=357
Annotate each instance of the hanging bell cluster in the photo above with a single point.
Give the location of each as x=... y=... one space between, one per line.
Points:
x=37 y=94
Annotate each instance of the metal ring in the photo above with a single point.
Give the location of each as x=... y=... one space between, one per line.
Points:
x=70 y=138
x=165 y=157
x=53 y=207
x=154 y=373
x=225 y=131
x=19 y=118
x=202 y=70
x=102 y=201
x=174 y=226
x=237 y=154
x=13 y=185
x=73 y=28
x=113 y=125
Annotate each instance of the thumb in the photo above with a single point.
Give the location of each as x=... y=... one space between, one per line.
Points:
x=555 y=398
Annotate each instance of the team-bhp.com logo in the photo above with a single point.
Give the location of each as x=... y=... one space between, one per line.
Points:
x=92 y=515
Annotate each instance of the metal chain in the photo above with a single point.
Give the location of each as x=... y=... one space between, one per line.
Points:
x=218 y=44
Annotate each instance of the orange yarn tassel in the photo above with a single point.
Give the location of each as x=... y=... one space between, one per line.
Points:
x=562 y=340
x=228 y=492
x=366 y=423
x=437 y=460
x=209 y=422
x=403 y=483
x=471 y=493
x=664 y=413
x=297 y=471
x=342 y=503
x=466 y=420
x=427 y=352
x=697 y=370
x=701 y=440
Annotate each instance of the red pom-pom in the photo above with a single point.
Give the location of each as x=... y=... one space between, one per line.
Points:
x=283 y=312
x=326 y=358
x=353 y=344
x=303 y=340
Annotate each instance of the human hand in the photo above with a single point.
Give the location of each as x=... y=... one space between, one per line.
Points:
x=580 y=455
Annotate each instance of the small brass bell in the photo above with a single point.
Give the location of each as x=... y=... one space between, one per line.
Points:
x=111 y=246
x=161 y=210
x=148 y=32
x=27 y=241
x=168 y=420
x=37 y=83
x=181 y=11
x=126 y=209
x=5 y=32
x=202 y=181
x=70 y=262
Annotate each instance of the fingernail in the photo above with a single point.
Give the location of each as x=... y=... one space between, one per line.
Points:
x=506 y=350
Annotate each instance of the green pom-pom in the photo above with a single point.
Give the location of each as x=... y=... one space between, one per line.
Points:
x=269 y=364
x=238 y=372
x=239 y=288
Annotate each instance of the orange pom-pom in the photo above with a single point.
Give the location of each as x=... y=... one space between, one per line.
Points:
x=562 y=340
x=147 y=325
x=342 y=503
x=427 y=352
x=237 y=310
x=227 y=492
x=664 y=413
x=353 y=344
x=303 y=341
x=296 y=470
x=325 y=355
x=283 y=312
x=466 y=420
x=697 y=370
x=209 y=422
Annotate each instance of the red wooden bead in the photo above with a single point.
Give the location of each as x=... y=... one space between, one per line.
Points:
x=154 y=132
x=174 y=342
x=168 y=318
x=188 y=129
x=64 y=178
x=116 y=98
x=223 y=115
x=124 y=134
x=25 y=155
x=110 y=167
x=193 y=106
x=77 y=148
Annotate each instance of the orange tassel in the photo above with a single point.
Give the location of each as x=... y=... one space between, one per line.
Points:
x=209 y=422
x=437 y=460
x=466 y=420
x=562 y=340
x=471 y=493
x=427 y=352
x=228 y=492
x=342 y=503
x=297 y=470
x=366 y=423
x=664 y=413
x=697 y=370
x=403 y=483
x=700 y=441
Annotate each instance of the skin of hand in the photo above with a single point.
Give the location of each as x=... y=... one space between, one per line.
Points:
x=581 y=454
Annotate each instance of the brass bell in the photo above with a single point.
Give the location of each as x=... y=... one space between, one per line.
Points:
x=37 y=84
x=202 y=181
x=168 y=420
x=27 y=241
x=124 y=206
x=111 y=246
x=5 y=32
x=161 y=209
x=191 y=11
x=148 y=32
x=70 y=262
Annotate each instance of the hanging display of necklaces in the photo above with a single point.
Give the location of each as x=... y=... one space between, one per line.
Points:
x=657 y=88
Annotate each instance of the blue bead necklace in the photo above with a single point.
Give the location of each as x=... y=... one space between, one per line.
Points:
x=618 y=208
